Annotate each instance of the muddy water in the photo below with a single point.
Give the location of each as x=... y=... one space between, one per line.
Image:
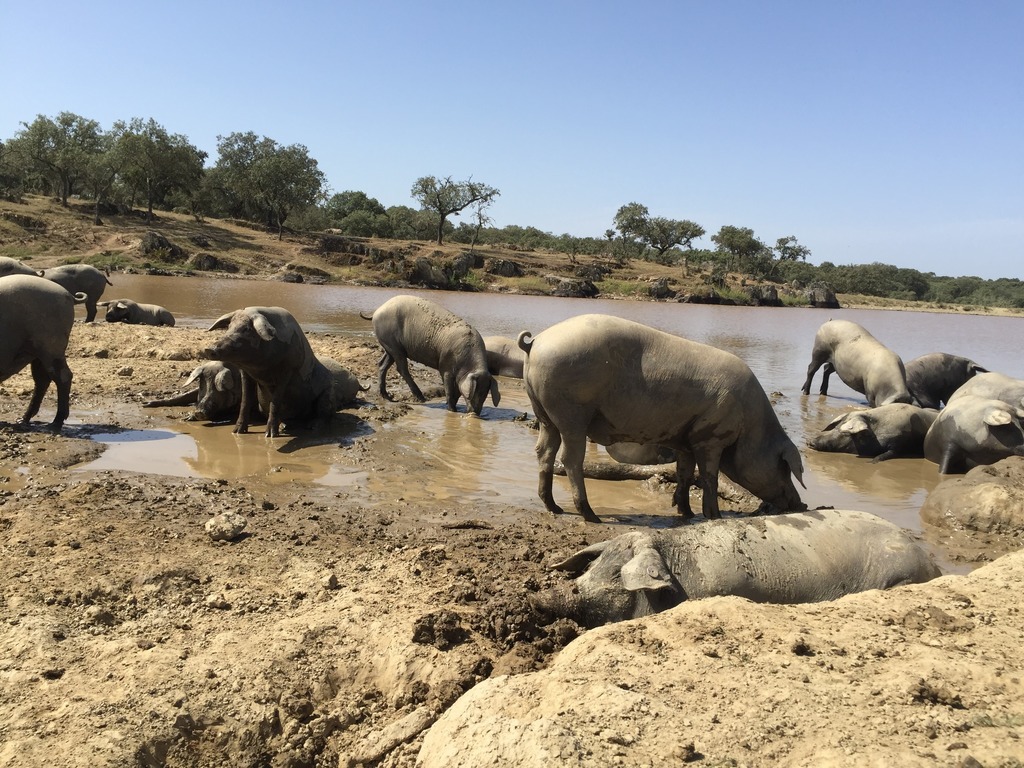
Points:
x=464 y=458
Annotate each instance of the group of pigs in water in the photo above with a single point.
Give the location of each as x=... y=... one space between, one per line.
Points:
x=615 y=382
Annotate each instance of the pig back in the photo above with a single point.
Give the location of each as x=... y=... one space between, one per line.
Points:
x=795 y=558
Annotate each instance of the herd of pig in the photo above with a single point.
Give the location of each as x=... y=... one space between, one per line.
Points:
x=644 y=393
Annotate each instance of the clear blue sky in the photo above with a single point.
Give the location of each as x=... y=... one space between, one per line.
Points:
x=889 y=130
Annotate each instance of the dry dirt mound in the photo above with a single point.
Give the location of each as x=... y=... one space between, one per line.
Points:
x=918 y=676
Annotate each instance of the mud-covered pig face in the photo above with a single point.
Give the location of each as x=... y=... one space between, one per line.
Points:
x=244 y=340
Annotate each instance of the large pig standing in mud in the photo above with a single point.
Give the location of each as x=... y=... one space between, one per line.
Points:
x=801 y=557
x=36 y=317
x=973 y=430
x=614 y=380
x=410 y=328
x=80 y=278
x=274 y=356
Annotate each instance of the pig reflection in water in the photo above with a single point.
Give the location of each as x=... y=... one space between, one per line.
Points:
x=308 y=457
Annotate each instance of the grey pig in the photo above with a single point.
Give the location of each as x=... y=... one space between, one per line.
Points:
x=933 y=378
x=133 y=313
x=37 y=316
x=410 y=328
x=862 y=362
x=614 y=380
x=800 y=557
x=80 y=278
x=273 y=354
x=973 y=430
x=885 y=432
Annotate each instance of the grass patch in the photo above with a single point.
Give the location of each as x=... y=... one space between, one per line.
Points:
x=627 y=288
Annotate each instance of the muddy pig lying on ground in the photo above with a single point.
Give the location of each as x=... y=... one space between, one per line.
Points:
x=128 y=311
x=216 y=394
x=885 y=432
x=801 y=557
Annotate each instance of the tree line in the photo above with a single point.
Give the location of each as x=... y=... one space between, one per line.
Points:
x=256 y=179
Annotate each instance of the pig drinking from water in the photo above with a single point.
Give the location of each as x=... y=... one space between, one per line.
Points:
x=36 y=316
x=410 y=328
x=800 y=557
x=614 y=380
x=275 y=359
x=862 y=362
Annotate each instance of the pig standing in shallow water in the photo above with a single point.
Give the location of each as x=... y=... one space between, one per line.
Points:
x=802 y=557
x=862 y=362
x=614 y=380
x=410 y=328
x=270 y=349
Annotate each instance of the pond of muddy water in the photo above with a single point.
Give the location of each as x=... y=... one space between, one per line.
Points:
x=459 y=458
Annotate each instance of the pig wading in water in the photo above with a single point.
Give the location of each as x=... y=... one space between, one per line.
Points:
x=800 y=557
x=410 y=328
x=862 y=362
x=614 y=380
x=273 y=354
x=36 y=316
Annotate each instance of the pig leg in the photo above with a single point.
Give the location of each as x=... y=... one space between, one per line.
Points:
x=248 y=396
x=548 y=443
x=41 y=379
x=451 y=390
x=816 y=362
x=829 y=370
x=383 y=365
x=684 y=480
x=573 y=451
x=62 y=378
x=708 y=464
x=402 y=364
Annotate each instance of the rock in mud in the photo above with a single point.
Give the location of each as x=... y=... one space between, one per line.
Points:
x=227 y=526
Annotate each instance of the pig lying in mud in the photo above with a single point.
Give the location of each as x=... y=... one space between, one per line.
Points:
x=216 y=394
x=133 y=313
x=273 y=354
x=885 y=432
x=800 y=557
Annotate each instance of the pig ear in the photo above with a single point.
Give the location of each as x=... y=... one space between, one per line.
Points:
x=223 y=380
x=222 y=322
x=576 y=563
x=997 y=417
x=495 y=394
x=192 y=377
x=646 y=571
x=854 y=424
x=791 y=456
x=835 y=422
x=264 y=328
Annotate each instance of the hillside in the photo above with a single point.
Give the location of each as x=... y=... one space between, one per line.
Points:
x=38 y=230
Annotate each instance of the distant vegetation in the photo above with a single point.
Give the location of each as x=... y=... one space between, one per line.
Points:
x=255 y=179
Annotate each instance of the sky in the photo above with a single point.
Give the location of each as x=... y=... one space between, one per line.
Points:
x=872 y=131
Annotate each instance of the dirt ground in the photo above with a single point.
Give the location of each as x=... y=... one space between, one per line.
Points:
x=345 y=632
